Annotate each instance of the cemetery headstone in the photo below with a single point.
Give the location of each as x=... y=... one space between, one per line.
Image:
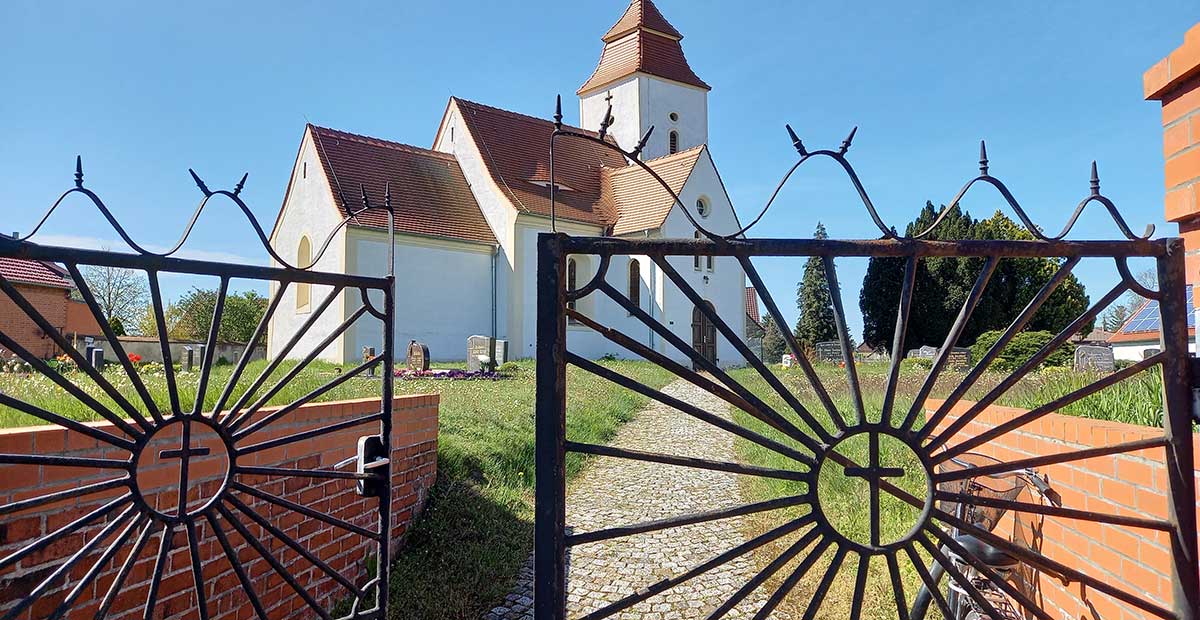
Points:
x=829 y=351
x=368 y=353
x=1094 y=357
x=959 y=358
x=1149 y=353
x=787 y=360
x=481 y=353
x=418 y=356
x=189 y=359
x=96 y=358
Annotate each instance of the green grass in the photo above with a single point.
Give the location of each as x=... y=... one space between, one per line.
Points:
x=40 y=391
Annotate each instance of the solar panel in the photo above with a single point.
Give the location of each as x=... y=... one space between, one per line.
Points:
x=1148 y=318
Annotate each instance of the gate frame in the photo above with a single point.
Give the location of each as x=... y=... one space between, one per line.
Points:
x=373 y=475
x=550 y=567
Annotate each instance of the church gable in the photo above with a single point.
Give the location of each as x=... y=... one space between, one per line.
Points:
x=515 y=152
x=642 y=203
x=706 y=199
x=429 y=193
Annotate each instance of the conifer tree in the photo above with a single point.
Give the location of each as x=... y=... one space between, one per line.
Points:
x=813 y=299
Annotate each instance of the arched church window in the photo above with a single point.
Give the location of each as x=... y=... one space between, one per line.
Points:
x=635 y=282
x=696 y=258
x=673 y=142
x=303 y=260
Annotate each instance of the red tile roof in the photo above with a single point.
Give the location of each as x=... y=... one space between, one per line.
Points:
x=430 y=195
x=752 y=304
x=642 y=202
x=516 y=151
x=641 y=14
x=32 y=272
x=642 y=41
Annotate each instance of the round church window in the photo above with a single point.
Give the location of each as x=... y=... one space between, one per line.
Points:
x=702 y=207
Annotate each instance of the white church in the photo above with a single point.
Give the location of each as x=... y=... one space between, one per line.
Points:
x=469 y=209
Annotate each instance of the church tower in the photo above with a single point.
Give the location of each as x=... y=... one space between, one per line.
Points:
x=643 y=73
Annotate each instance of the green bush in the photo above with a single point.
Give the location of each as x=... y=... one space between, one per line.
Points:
x=1022 y=347
x=916 y=363
x=509 y=368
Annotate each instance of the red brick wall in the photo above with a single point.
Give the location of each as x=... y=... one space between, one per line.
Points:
x=50 y=302
x=1175 y=81
x=414 y=458
x=1132 y=484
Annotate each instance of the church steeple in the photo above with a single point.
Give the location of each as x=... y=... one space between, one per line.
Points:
x=642 y=41
x=644 y=75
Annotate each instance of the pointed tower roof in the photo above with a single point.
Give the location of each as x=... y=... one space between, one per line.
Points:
x=642 y=41
x=641 y=14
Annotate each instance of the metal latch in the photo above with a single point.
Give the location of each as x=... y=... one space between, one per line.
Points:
x=371 y=465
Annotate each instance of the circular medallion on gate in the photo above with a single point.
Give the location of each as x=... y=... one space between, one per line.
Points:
x=860 y=477
x=182 y=468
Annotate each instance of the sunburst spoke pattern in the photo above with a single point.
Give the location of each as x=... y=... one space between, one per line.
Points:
x=85 y=582
x=307 y=398
x=257 y=337
x=232 y=556
x=833 y=557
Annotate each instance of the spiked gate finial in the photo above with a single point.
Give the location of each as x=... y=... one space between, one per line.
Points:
x=1095 y=180
x=846 y=143
x=366 y=203
x=199 y=183
x=387 y=195
x=237 y=189
x=796 y=143
x=642 y=143
x=558 y=112
x=983 y=160
x=78 y=171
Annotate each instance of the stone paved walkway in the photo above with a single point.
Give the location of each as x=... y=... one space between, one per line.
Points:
x=621 y=491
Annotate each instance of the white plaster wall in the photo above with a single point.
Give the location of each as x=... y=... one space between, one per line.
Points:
x=659 y=99
x=723 y=286
x=627 y=125
x=640 y=101
x=308 y=210
x=453 y=137
x=443 y=293
x=1134 y=351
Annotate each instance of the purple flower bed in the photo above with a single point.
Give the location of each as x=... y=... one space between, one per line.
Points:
x=459 y=375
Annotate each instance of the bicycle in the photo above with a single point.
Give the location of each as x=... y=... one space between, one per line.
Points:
x=1006 y=487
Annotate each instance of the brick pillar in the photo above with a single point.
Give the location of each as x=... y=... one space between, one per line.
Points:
x=1175 y=81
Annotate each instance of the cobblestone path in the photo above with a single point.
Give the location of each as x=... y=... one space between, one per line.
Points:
x=621 y=491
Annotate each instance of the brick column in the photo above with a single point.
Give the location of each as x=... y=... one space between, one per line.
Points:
x=1175 y=81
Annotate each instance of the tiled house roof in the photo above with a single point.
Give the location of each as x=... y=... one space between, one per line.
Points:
x=642 y=41
x=430 y=195
x=642 y=202
x=516 y=151
x=752 y=304
x=32 y=272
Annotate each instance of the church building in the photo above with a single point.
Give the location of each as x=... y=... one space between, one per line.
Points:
x=469 y=209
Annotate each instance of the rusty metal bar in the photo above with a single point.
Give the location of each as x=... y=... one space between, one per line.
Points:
x=550 y=569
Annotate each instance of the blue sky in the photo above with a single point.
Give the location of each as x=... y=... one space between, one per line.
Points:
x=146 y=91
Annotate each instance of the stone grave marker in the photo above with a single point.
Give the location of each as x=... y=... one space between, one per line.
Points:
x=959 y=359
x=481 y=353
x=829 y=351
x=1094 y=357
x=418 y=356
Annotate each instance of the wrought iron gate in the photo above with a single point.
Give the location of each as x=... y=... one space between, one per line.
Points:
x=809 y=433
x=136 y=541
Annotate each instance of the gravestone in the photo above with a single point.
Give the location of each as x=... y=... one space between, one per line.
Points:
x=829 y=351
x=418 y=356
x=189 y=359
x=959 y=358
x=367 y=354
x=481 y=353
x=925 y=352
x=1094 y=357
x=96 y=357
x=1149 y=353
